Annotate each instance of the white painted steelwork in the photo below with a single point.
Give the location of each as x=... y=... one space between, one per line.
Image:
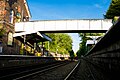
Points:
x=64 y=25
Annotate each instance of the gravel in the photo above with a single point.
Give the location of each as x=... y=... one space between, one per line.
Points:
x=57 y=74
x=84 y=72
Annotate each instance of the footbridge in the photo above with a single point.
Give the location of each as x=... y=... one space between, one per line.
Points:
x=80 y=25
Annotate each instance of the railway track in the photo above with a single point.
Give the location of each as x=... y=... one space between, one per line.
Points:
x=58 y=73
x=72 y=71
x=85 y=70
x=63 y=70
x=76 y=73
x=23 y=74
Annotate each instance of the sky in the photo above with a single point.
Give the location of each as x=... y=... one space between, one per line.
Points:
x=68 y=9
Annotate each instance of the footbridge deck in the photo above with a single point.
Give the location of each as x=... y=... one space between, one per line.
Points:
x=100 y=25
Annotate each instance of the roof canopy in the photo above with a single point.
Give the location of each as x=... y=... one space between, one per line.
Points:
x=32 y=37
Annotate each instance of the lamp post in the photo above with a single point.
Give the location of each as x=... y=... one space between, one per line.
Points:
x=48 y=46
x=1 y=48
x=43 y=48
x=24 y=48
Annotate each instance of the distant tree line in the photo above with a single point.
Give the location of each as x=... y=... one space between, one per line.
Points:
x=61 y=43
x=82 y=46
x=114 y=9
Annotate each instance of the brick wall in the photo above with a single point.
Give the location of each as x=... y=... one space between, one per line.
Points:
x=6 y=25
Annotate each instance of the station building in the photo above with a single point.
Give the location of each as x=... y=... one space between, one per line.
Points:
x=11 y=12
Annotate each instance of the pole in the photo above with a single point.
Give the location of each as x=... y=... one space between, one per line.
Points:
x=25 y=44
x=43 y=48
x=48 y=45
x=0 y=47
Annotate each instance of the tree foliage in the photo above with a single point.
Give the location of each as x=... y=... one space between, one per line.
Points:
x=83 y=48
x=71 y=54
x=61 y=43
x=114 y=9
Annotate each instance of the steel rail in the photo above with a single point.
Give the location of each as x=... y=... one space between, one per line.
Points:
x=89 y=62
x=70 y=74
x=34 y=69
x=91 y=73
x=39 y=71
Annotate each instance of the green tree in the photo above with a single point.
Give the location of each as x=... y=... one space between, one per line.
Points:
x=83 y=48
x=114 y=9
x=83 y=43
x=78 y=53
x=72 y=54
x=61 y=43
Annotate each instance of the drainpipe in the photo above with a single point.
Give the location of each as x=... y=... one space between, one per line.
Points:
x=1 y=47
x=43 y=48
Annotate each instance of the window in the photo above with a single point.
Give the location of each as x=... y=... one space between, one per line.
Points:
x=11 y=16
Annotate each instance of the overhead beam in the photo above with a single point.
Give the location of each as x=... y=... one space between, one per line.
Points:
x=97 y=25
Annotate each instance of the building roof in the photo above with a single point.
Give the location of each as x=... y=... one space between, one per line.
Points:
x=32 y=37
x=91 y=42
